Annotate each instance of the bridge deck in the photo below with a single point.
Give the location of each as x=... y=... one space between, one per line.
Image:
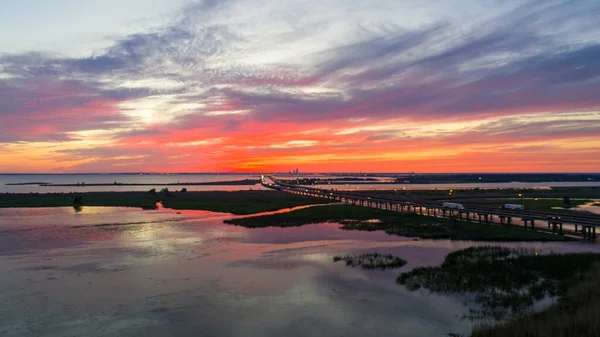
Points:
x=586 y=223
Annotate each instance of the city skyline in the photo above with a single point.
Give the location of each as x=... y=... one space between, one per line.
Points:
x=333 y=86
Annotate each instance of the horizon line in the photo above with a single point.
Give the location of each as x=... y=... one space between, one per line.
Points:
x=282 y=172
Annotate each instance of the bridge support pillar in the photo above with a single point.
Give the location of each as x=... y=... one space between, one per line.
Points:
x=554 y=227
x=589 y=232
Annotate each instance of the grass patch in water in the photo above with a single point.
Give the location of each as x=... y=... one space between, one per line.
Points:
x=404 y=224
x=371 y=261
x=502 y=282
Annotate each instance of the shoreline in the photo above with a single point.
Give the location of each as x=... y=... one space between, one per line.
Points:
x=241 y=202
x=83 y=184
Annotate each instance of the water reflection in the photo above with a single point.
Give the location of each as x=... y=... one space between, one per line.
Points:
x=130 y=272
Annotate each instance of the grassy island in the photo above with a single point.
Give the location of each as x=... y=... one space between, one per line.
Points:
x=412 y=225
x=371 y=261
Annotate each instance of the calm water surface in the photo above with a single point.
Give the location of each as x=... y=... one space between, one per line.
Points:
x=158 y=181
x=155 y=179
x=109 y=271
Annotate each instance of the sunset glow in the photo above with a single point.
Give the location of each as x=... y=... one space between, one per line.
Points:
x=334 y=86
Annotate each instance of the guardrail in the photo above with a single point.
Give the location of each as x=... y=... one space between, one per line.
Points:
x=587 y=223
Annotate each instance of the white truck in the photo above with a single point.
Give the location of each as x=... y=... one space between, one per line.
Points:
x=513 y=207
x=453 y=205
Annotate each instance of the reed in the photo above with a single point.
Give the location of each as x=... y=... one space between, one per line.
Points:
x=574 y=315
x=371 y=261
x=501 y=282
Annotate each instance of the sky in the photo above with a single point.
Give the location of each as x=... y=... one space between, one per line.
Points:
x=322 y=86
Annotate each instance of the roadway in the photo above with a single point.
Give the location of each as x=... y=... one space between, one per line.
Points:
x=583 y=224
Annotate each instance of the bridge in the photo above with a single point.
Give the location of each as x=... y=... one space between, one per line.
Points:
x=581 y=225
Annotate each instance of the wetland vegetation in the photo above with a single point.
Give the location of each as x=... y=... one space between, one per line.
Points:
x=237 y=202
x=371 y=261
x=502 y=282
x=574 y=315
x=207 y=183
x=405 y=224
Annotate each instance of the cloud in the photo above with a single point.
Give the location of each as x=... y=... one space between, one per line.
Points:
x=47 y=109
x=251 y=72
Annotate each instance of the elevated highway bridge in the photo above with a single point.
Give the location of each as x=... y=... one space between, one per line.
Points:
x=581 y=225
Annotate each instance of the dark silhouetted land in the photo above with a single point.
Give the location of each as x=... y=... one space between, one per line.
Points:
x=507 y=282
x=243 y=182
x=411 y=225
x=448 y=178
x=236 y=202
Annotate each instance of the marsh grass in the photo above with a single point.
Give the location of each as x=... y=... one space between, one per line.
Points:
x=574 y=315
x=502 y=282
x=371 y=261
x=237 y=202
x=394 y=223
